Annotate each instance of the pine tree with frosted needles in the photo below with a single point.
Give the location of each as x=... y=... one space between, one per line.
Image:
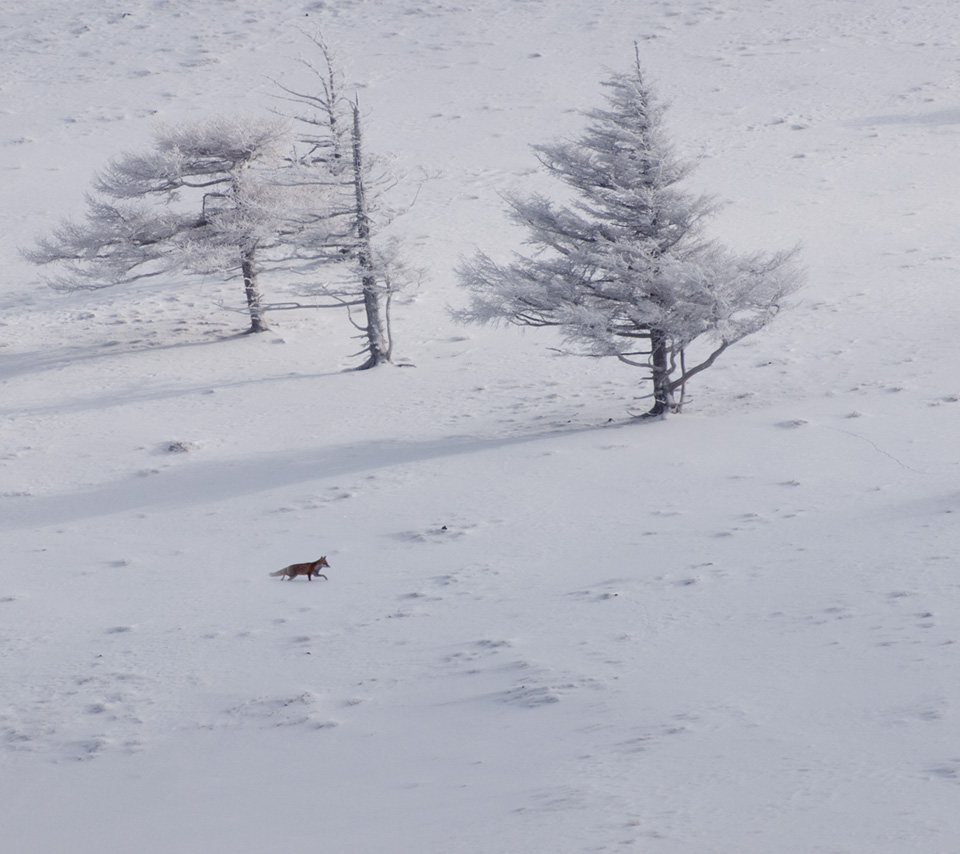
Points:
x=625 y=271
x=200 y=201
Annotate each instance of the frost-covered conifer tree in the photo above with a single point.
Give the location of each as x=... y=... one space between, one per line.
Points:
x=201 y=201
x=625 y=270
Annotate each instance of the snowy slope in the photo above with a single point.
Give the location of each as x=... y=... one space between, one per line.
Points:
x=547 y=628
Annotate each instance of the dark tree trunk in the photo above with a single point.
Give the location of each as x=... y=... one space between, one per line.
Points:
x=252 y=290
x=378 y=345
x=660 y=364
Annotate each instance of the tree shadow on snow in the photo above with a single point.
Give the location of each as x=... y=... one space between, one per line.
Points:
x=43 y=360
x=210 y=482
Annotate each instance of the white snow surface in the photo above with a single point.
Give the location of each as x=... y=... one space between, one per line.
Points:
x=547 y=627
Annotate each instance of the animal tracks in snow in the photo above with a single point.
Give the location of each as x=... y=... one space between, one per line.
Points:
x=443 y=532
x=79 y=718
x=515 y=682
x=306 y=710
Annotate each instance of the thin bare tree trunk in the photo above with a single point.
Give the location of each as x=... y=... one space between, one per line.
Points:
x=377 y=342
x=678 y=405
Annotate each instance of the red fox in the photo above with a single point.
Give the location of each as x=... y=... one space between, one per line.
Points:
x=307 y=569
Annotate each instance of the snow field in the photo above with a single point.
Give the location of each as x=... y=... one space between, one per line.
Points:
x=546 y=628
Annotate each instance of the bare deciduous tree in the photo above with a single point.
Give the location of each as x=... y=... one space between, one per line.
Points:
x=343 y=226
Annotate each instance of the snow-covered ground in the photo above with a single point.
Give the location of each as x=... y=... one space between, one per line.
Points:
x=547 y=628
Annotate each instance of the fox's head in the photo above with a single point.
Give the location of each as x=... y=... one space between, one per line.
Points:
x=323 y=562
